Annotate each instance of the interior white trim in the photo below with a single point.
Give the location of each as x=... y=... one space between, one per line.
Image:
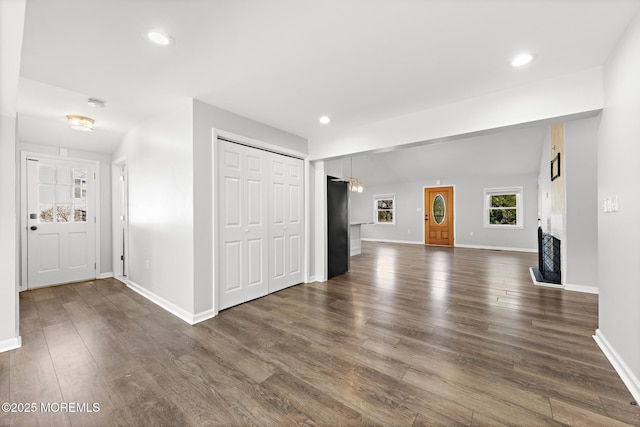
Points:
x=106 y=275
x=183 y=314
x=255 y=143
x=122 y=279
x=582 y=288
x=321 y=264
x=23 y=209
x=495 y=248
x=11 y=344
x=408 y=242
x=116 y=167
x=628 y=378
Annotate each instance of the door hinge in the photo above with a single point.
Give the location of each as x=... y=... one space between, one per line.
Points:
x=94 y=220
x=94 y=175
x=121 y=257
x=95 y=265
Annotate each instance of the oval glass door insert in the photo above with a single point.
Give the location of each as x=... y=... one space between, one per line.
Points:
x=439 y=209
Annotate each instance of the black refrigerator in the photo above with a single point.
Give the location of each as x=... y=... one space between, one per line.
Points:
x=337 y=226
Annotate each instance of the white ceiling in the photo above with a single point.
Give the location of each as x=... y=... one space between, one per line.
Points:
x=287 y=62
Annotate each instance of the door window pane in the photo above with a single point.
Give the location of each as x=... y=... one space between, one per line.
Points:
x=79 y=214
x=63 y=175
x=63 y=213
x=46 y=194
x=46 y=174
x=439 y=209
x=63 y=197
x=63 y=194
x=46 y=213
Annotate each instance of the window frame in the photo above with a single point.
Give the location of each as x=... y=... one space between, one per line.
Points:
x=518 y=191
x=378 y=197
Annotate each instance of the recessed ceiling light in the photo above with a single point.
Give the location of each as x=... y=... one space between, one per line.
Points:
x=325 y=120
x=160 y=37
x=522 y=59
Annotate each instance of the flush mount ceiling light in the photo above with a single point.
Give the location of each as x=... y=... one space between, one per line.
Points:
x=96 y=102
x=522 y=59
x=325 y=120
x=160 y=37
x=82 y=123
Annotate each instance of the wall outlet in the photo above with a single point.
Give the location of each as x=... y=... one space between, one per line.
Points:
x=471 y=234
x=610 y=204
x=146 y=263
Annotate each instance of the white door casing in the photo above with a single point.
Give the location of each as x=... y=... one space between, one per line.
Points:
x=61 y=221
x=120 y=219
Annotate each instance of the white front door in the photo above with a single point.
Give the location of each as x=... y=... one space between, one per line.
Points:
x=243 y=224
x=285 y=221
x=61 y=219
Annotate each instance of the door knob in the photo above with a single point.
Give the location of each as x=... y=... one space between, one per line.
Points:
x=34 y=228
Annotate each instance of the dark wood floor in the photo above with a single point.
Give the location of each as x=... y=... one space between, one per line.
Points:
x=412 y=335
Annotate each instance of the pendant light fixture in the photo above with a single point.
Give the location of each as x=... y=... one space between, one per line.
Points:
x=354 y=184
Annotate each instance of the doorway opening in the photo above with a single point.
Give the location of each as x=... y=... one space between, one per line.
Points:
x=120 y=215
x=60 y=219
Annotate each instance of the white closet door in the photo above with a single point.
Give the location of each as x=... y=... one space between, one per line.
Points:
x=243 y=243
x=286 y=229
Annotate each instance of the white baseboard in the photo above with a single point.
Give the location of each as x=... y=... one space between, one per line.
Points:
x=11 y=344
x=582 y=288
x=203 y=315
x=122 y=279
x=190 y=318
x=628 y=378
x=496 y=248
x=106 y=275
x=409 y=242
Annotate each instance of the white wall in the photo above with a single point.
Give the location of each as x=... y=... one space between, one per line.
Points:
x=581 y=222
x=159 y=155
x=105 y=195
x=557 y=97
x=11 y=29
x=551 y=223
x=577 y=226
x=205 y=118
x=469 y=211
x=619 y=232
x=9 y=334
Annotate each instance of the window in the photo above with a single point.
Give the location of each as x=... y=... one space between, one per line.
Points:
x=384 y=209
x=503 y=207
x=62 y=194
